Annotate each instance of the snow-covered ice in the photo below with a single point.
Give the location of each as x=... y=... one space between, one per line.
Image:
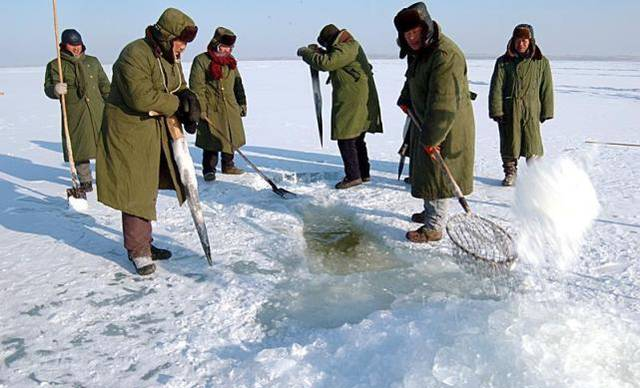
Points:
x=321 y=291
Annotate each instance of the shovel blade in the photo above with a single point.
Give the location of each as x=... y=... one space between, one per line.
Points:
x=285 y=194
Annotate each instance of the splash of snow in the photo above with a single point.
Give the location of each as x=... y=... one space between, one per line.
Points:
x=555 y=205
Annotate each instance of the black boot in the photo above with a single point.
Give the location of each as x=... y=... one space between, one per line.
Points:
x=160 y=254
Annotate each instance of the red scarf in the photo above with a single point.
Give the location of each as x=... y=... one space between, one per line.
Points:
x=218 y=60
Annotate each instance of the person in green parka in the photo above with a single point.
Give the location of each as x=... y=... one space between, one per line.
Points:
x=355 y=107
x=86 y=87
x=520 y=99
x=438 y=95
x=216 y=81
x=135 y=158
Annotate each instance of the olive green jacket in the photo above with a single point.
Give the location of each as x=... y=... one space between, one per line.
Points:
x=135 y=157
x=439 y=94
x=87 y=89
x=355 y=106
x=222 y=101
x=521 y=93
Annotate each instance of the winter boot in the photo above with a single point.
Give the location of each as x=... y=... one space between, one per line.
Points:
x=210 y=176
x=86 y=186
x=366 y=179
x=159 y=253
x=144 y=265
x=418 y=217
x=510 y=172
x=424 y=235
x=345 y=184
x=232 y=170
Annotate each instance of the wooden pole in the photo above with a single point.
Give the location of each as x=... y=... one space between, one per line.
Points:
x=65 y=121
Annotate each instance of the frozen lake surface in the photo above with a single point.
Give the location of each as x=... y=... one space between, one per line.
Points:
x=321 y=291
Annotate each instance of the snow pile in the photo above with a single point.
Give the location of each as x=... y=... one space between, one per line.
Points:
x=555 y=205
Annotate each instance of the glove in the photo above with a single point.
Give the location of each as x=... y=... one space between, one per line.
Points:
x=432 y=151
x=60 y=89
x=404 y=108
x=542 y=120
x=243 y=111
x=498 y=119
x=302 y=50
x=189 y=110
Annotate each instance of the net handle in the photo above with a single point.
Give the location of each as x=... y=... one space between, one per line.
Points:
x=440 y=161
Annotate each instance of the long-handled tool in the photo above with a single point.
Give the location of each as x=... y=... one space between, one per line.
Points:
x=75 y=192
x=317 y=99
x=286 y=194
x=478 y=237
x=612 y=143
x=187 y=173
x=404 y=148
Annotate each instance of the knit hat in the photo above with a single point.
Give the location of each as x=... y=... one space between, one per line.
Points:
x=71 y=37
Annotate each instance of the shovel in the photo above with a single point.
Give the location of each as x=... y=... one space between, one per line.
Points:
x=285 y=194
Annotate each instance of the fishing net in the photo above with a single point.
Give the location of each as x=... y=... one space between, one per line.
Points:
x=482 y=239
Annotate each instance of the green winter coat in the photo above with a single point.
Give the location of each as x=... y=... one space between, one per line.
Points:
x=222 y=101
x=521 y=93
x=87 y=89
x=135 y=157
x=355 y=107
x=439 y=95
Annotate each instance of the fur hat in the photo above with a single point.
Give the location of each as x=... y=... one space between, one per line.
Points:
x=328 y=35
x=523 y=31
x=223 y=36
x=416 y=15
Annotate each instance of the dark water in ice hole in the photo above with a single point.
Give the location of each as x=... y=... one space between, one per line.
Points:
x=338 y=245
x=349 y=273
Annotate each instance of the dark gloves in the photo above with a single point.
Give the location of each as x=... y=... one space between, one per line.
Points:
x=498 y=119
x=243 y=111
x=189 y=110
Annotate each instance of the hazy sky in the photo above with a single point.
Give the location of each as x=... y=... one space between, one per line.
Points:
x=277 y=28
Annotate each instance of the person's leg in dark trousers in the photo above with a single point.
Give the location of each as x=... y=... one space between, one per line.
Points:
x=137 y=241
x=363 y=158
x=349 y=153
x=209 y=162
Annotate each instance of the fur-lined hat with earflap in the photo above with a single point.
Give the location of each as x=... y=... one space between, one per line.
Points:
x=408 y=18
x=523 y=31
